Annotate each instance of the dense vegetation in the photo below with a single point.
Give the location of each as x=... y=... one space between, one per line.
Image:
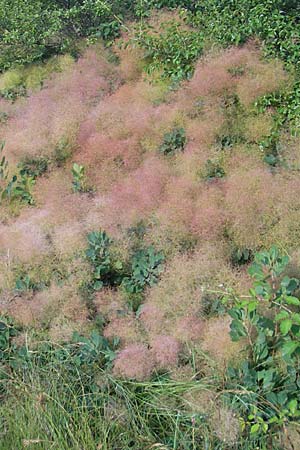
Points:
x=149 y=227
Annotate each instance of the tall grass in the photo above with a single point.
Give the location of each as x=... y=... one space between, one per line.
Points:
x=51 y=404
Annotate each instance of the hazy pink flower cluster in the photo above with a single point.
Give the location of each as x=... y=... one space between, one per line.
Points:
x=55 y=112
x=135 y=361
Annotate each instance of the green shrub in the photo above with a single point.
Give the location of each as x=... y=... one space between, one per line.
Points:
x=173 y=142
x=106 y=271
x=213 y=170
x=172 y=51
x=79 y=178
x=269 y=322
x=31 y=31
x=19 y=187
x=14 y=93
x=62 y=152
x=34 y=166
x=147 y=265
x=287 y=115
x=231 y=132
x=240 y=256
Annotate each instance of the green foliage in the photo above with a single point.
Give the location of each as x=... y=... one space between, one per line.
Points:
x=232 y=130
x=146 y=267
x=3 y=117
x=62 y=152
x=235 y=21
x=287 y=115
x=24 y=284
x=276 y=23
x=240 y=256
x=31 y=31
x=142 y=270
x=212 y=306
x=94 y=348
x=237 y=71
x=7 y=332
x=36 y=277
x=213 y=170
x=269 y=321
x=173 y=50
x=173 y=142
x=34 y=167
x=14 y=93
x=106 y=271
x=28 y=31
x=19 y=187
x=3 y=164
x=79 y=178
x=99 y=256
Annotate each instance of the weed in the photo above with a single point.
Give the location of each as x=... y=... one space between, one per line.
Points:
x=3 y=164
x=24 y=284
x=62 y=152
x=34 y=166
x=231 y=133
x=147 y=265
x=173 y=142
x=14 y=93
x=213 y=170
x=240 y=256
x=19 y=187
x=3 y=117
x=106 y=272
x=79 y=178
x=237 y=71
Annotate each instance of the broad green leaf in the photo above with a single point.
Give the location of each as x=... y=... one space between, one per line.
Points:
x=285 y=326
x=292 y=301
x=296 y=318
x=289 y=347
x=255 y=428
x=237 y=330
x=281 y=315
x=259 y=290
x=293 y=405
x=252 y=306
x=118 y=265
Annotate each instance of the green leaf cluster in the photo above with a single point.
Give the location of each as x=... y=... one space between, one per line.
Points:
x=172 y=50
x=268 y=320
x=173 y=142
x=146 y=267
x=19 y=187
